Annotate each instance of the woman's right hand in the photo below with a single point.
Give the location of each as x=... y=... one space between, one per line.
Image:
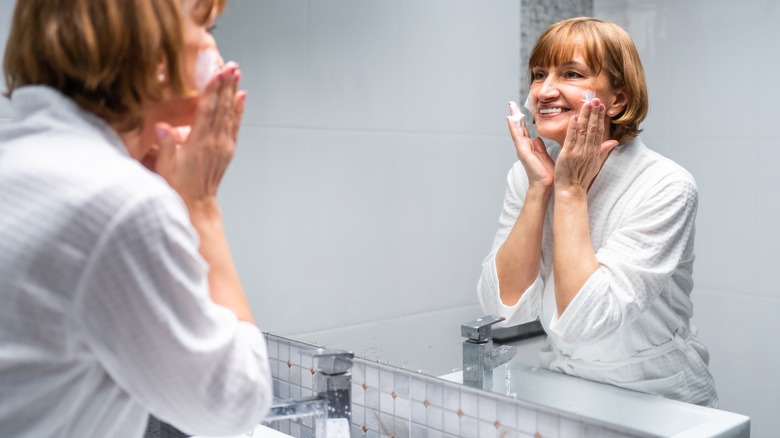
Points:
x=194 y=166
x=537 y=163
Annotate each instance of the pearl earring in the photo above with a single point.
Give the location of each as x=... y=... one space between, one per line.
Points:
x=161 y=77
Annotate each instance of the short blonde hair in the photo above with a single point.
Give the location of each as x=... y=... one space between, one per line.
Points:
x=607 y=46
x=103 y=54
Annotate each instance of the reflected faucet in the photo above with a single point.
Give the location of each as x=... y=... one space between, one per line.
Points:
x=479 y=356
x=332 y=403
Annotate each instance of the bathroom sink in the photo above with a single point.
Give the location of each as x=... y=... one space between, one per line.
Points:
x=610 y=405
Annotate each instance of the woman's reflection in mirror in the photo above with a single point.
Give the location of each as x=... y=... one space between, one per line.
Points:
x=596 y=236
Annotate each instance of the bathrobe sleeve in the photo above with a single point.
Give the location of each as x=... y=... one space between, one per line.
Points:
x=637 y=262
x=144 y=309
x=527 y=308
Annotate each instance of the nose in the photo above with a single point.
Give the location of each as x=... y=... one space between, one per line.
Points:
x=548 y=89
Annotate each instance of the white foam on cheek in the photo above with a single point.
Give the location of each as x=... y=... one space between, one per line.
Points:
x=206 y=65
x=588 y=95
x=530 y=105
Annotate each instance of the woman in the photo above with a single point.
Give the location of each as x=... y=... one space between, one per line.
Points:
x=596 y=235
x=120 y=298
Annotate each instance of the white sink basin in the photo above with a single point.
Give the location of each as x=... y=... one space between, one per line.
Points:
x=607 y=404
x=259 y=431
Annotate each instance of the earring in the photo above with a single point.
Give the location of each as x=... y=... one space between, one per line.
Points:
x=161 y=77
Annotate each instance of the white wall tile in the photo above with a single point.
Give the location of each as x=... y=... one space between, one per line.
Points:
x=739 y=329
x=526 y=419
x=269 y=40
x=354 y=49
x=340 y=214
x=725 y=224
x=487 y=409
x=765 y=180
x=767 y=64
x=310 y=207
x=449 y=199
x=547 y=425
x=459 y=65
x=694 y=85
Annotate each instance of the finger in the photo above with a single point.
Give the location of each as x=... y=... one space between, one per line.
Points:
x=240 y=103
x=516 y=115
x=539 y=146
x=525 y=129
x=582 y=126
x=237 y=81
x=595 y=125
x=231 y=119
x=166 y=141
x=571 y=132
x=224 y=105
x=206 y=107
x=607 y=147
x=513 y=131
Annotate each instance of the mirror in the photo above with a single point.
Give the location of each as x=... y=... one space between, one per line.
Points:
x=371 y=168
x=373 y=158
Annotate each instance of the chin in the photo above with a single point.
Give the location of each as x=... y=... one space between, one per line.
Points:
x=550 y=134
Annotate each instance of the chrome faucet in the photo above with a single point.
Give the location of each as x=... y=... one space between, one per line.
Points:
x=332 y=403
x=479 y=356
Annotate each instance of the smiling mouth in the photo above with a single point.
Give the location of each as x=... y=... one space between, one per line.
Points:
x=553 y=110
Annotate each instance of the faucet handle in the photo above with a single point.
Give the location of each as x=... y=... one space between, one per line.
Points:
x=330 y=361
x=480 y=330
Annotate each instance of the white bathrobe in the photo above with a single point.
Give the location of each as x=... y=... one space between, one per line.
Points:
x=106 y=315
x=629 y=325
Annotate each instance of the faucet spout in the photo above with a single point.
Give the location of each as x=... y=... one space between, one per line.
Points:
x=479 y=356
x=297 y=408
x=501 y=355
x=332 y=401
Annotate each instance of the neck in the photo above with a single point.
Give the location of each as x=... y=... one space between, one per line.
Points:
x=137 y=141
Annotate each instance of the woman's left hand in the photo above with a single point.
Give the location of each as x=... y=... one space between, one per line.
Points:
x=584 y=151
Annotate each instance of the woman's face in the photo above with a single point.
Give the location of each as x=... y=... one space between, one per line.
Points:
x=198 y=42
x=180 y=111
x=558 y=94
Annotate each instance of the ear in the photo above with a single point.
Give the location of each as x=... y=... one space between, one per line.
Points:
x=618 y=103
x=161 y=72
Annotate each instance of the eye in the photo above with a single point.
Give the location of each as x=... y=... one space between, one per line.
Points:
x=572 y=75
x=538 y=75
x=211 y=28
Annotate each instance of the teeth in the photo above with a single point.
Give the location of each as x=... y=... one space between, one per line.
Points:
x=550 y=111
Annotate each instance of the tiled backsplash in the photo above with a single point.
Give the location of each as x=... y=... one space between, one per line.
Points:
x=393 y=402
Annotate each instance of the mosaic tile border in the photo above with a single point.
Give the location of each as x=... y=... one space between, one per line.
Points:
x=397 y=403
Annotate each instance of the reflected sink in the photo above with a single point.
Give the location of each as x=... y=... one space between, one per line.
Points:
x=610 y=405
x=259 y=431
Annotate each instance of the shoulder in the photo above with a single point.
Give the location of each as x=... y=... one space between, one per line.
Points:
x=659 y=171
x=663 y=180
x=105 y=187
